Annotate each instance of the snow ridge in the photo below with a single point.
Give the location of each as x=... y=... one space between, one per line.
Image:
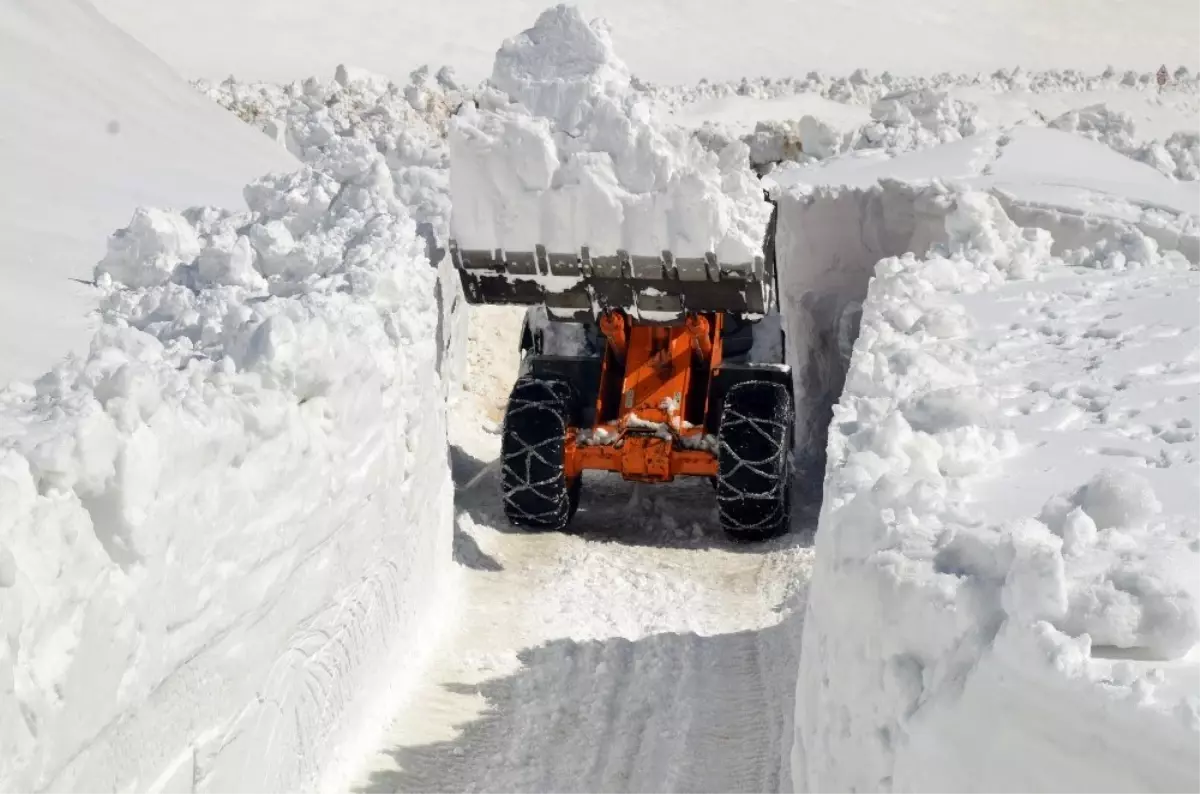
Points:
x=862 y=87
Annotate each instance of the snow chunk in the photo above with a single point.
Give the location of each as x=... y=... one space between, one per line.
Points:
x=1111 y=499
x=1115 y=499
x=1078 y=531
x=1097 y=122
x=146 y=253
x=1035 y=588
x=1131 y=605
x=912 y=120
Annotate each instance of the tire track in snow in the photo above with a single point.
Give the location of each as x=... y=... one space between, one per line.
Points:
x=682 y=713
x=642 y=652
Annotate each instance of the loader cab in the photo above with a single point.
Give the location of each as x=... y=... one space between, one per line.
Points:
x=540 y=334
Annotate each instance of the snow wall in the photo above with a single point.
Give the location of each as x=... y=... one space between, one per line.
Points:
x=828 y=243
x=224 y=533
x=948 y=645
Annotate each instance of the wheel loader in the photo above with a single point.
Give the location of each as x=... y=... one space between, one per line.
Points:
x=659 y=384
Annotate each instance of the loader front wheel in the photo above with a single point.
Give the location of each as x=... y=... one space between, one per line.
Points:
x=754 y=460
x=533 y=481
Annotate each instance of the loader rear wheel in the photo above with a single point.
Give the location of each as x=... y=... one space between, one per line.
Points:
x=754 y=460
x=533 y=481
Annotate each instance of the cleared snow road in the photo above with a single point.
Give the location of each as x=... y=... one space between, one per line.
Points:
x=642 y=652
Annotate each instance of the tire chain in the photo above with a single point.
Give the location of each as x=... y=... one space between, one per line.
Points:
x=773 y=466
x=541 y=404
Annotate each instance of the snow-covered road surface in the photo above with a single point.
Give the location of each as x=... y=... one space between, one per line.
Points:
x=641 y=652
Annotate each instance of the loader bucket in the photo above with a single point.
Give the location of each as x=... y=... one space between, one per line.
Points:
x=580 y=286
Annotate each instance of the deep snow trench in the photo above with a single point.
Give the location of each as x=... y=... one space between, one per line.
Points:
x=640 y=652
x=226 y=532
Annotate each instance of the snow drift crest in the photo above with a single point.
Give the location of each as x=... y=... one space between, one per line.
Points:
x=564 y=152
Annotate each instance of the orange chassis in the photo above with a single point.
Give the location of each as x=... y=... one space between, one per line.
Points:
x=649 y=441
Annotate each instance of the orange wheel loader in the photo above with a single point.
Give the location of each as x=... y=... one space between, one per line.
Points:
x=664 y=387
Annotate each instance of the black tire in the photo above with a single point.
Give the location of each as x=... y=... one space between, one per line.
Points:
x=533 y=481
x=754 y=460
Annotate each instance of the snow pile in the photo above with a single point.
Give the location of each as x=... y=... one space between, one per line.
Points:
x=1178 y=156
x=773 y=141
x=814 y=123
x=1180 y=79
x=220 y=531
x=410 y=123
x=1183 y=149
x=859 y=87
x=565 y=152
x=1097 y=122
x=1009 y=506
x=900 y=122
x=914 y=120
x=804 y=141
x=407 y=125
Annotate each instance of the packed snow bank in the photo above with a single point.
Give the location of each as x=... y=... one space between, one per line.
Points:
x=223 y=532
x=94 y=126
x=565 y=152
x=1005 y=589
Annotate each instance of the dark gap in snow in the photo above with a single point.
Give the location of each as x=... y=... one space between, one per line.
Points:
x=829 y=241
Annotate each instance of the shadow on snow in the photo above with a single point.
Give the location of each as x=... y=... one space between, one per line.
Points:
x=681 y=514
x=668 y=712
